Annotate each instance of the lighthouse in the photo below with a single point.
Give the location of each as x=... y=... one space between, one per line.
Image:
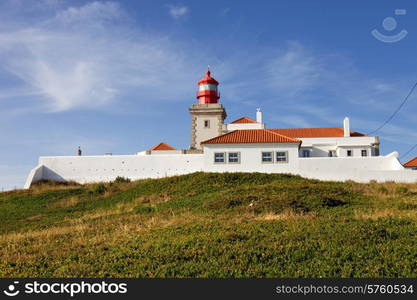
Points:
x=208 y=115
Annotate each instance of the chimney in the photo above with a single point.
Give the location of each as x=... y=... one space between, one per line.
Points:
x=346 y=127
x=258 y=115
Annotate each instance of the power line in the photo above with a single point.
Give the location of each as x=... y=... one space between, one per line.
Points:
x=411 y=149
x=396 y=111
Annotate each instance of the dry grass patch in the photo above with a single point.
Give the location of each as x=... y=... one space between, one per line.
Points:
x=68 y=202
x=48 y=185
x=154 y=198
x=285 y=215
x=33 y=218
x=85 y=236
x=385 y=213
x=127 y=207
x=386 y=190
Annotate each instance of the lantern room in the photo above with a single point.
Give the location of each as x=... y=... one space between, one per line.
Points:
x=207 y=90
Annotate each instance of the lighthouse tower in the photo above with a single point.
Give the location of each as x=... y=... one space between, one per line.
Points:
x=208 y=115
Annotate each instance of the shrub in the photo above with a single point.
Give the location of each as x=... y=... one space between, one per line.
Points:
x=277 y=197
x=120 y=179
x=100 y=189
x=383 y=190
x=402 y=190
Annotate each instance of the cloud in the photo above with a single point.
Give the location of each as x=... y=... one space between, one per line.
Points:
x=178 y=11
x=88 y=56
x=92 y=12
x=293 y=70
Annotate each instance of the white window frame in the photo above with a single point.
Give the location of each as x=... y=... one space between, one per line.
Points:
x=281 y=161
x=208 y=123
x=272 y=157
x=351 y=153
x=366 y=152
x=224 y=158
x=233 y=162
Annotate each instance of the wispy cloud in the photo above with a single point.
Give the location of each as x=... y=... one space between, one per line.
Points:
x=84 y=57
x=293 y=70
x=178 y=11
x=91 y=12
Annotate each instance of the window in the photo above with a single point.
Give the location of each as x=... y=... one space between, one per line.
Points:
x=206 y=123
x=306 y=153
x=266 y=157
x=282 y=157
x=234 y=157
x=364 y=153
x=219 y=158
x=349 y=153
x=332 y=153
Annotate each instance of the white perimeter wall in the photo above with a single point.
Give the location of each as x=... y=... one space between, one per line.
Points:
x=86 y=169
x=360 y=169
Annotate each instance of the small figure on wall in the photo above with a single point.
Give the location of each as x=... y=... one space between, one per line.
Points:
x=79 y=152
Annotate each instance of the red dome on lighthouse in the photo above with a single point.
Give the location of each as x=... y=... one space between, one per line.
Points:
x=207 y=90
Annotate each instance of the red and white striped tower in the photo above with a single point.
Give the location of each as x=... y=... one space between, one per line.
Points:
x=207 y=90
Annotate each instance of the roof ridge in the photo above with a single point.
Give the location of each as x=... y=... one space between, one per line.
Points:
x=224 y=134
x=163 y=144
x=284 y=137
x=312 y=132
x=294 y=139
x=307 y=128
x=242 y=118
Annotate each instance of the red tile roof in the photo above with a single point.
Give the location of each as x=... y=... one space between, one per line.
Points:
x=251 y=136
x=243 y=121
x=314 y=132
x=411 y=163
x=162 y=146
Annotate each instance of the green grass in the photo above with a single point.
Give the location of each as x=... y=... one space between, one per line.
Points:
x=210 y=225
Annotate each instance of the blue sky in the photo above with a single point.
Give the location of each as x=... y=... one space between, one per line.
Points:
x=119 y=76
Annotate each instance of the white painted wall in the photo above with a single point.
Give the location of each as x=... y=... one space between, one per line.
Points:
x=356 y=150
x=357 y=164
x=400 y=176
x=250 y=158
x=35 y=174
x=243 y=126
x=340 y=141
x=86 y=169
x=320 y=147
x=359 y=169
x=165 y=152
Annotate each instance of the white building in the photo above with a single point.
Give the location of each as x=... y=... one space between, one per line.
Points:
x=244 y=145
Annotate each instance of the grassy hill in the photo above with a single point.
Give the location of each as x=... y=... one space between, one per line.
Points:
x=210 y=225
